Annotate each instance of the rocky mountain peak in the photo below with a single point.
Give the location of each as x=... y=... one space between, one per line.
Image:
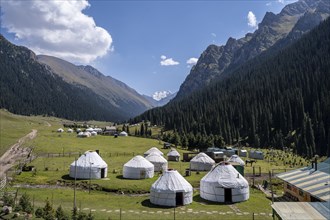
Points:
x=290 y=24
x=91 y=70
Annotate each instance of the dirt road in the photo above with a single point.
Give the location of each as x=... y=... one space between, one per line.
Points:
x=15 y=153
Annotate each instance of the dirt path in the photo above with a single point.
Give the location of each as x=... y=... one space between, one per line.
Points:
x=16 y=152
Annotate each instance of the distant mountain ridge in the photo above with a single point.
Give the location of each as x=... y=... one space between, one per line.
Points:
x=42 y=84
x=274 y=31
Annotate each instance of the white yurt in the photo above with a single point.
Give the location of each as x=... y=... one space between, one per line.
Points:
x=201 y=162
x=90 y=129
x=224 y=184
x=89 y=166
x=138 y=168
x=123 y=133
x=171 y=189
x=93 y=133
x=235 y=159
x=153 y=150
x=173 y=155
x=60 y=130
x=159 y=162
x=70 y=130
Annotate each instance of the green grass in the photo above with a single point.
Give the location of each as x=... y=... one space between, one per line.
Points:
x=116 y=152
x=139 y=207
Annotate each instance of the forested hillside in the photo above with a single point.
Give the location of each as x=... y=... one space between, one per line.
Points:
x=28 y=87
x=277 y=101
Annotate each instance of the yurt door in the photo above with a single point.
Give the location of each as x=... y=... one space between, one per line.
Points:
x=102 y=172
x=179 y=198
x=228 y=195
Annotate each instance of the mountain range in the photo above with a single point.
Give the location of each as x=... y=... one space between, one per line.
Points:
x=274 y=32
x=279 y=98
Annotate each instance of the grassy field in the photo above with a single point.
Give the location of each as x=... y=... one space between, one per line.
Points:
x=108 y=205
x=56 y=151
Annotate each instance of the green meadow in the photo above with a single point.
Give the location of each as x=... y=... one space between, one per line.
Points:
x=56 y=151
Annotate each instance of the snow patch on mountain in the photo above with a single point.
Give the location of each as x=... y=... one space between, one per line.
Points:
x=159 y=95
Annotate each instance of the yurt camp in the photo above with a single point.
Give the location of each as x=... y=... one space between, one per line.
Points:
x=201 y=162
x=60 y=130
x=93 y=133
x=89 y=166
x=159 y=162
x=173 y=155
x=171 y=189
x=153 y=150
x=224 y=184
x=70 y=130
x=138 y=168
x=237 y=163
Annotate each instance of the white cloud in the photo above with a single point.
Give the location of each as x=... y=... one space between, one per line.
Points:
x=252 y=20
x=168 y=61
x=57 y=28
x=192 y=61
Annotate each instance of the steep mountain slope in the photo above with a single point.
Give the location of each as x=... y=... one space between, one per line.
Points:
x=29 y=87
x=281 y=100
x=290 y=24
x=118 y=94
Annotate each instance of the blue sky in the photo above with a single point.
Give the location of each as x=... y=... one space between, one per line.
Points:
x=145 y=44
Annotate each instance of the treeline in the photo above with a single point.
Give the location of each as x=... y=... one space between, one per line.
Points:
x=30 y=88
x=275 y=101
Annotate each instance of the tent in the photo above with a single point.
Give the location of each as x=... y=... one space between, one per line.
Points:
x=224 y=184
x=201 y=162
x=254 y=154
x=171 y=189
x=159 y=162
x=123 y=133
x=70 y=130
x=84 y=134
x=237 y=163
x=90 y=129
x=173 y=155
x=93 y=133
x=60 y=130
x=243 y=153
x=138 y=168
x=152 y=150
x=236 y=160
x=89 y=166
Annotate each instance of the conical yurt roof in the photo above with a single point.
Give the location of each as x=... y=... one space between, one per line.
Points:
x=153 y=150
x=171 y=181
x=90 y=159
x=173 y=153
x=155 y=157
x=138 y=161
x=123 y=133
x=236 y=160
x=203 y=158
x=226 y=176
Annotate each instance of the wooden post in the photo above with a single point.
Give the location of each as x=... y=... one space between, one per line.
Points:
x=271 y=187
x=75 y=179
x=174 y=213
